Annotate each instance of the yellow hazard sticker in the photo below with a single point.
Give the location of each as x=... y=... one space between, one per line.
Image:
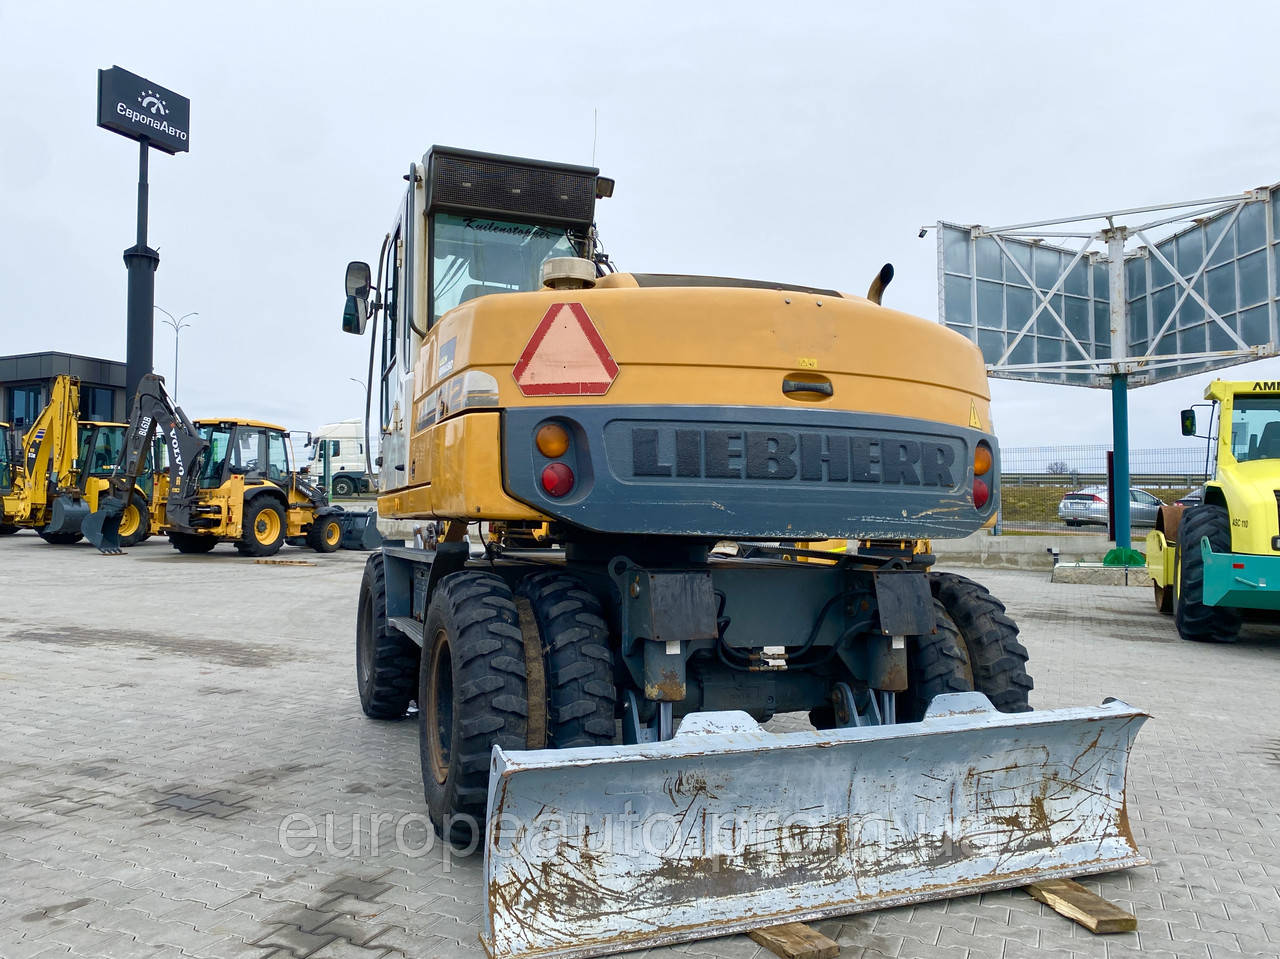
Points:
x=974 y=421
x=808 y=362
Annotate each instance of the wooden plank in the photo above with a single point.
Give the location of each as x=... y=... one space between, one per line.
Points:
x=795 y=940
x=1074 y=901
x=284 y=562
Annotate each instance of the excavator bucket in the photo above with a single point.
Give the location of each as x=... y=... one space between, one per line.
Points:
x=102 y=527
x=726 y=828
x=360 y=530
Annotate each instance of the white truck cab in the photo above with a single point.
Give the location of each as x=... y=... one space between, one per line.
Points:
x=344 y=442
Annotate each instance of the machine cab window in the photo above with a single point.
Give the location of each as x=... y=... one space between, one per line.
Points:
x=1255 y=428
x=474 y=257
x=219 y=440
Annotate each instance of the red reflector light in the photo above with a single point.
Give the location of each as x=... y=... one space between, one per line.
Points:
x=1237 y=565
x=557 y=479
x=980 y=494
x=1098 y=499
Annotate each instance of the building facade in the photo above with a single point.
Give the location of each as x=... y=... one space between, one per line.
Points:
x=26 y=381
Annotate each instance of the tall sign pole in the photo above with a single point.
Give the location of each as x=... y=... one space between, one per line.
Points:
x=1115 y=237
x=156 y=117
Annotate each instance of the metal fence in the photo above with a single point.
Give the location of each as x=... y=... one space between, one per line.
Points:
x=1034 y=480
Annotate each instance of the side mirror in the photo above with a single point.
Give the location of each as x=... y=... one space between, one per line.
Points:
x=1188 y=422
x=359 y=282
x=355 y=315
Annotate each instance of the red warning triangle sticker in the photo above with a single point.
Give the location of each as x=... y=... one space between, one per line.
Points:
x=565 y=356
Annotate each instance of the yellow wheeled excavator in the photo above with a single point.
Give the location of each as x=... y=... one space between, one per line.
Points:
x=610 y=429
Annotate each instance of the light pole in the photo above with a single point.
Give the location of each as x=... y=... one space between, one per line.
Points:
x=178 y=326
x=364 y=423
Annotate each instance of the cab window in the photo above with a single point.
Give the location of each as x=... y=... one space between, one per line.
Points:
x=219 y=440
x=277 y=457
x=473 y=257
x=1255 y=428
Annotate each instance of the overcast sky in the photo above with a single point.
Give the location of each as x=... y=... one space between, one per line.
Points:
x=805 y=142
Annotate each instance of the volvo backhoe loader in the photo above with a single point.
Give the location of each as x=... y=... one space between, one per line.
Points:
x=1208 y=562
x=229 y=481
x=610 y=429
x=62 y=468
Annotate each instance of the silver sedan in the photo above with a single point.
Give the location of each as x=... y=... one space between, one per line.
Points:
x=1088 y=506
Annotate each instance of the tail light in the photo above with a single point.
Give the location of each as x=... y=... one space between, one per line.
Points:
x=983 y=461
x=557 y=479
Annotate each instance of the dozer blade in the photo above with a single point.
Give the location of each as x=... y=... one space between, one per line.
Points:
x=726 y=828
x=102 y=527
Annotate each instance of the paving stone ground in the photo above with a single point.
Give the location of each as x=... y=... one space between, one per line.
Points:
x=170 y=726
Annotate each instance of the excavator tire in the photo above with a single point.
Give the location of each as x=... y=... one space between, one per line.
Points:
x=471 y=694
x=264 y=527
x=60 y=539
x=191 y=542
x=325 y=535
x=1196 y=621
x=135 y=521
x=998 y=660
x=7 y=530
x=580 y=694
x=936 y=664
x=386 y=659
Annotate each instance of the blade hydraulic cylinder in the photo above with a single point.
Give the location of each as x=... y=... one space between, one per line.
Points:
x=725 y=827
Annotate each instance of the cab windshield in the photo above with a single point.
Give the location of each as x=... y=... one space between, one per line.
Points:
x=219 y=440
x=473 y=256
x=1255 y=428
x=100 y=449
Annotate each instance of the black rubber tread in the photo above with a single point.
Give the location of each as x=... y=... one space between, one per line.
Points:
x=315 y=535
x=476 y=613
x=7 y=530
x=1196 y=621
x=581 y=698
x=144 y=522
x=343 y=486
x=936 y=664
x=191 y=542
x=386 y=659
x=248 y=543
x=997 y=658
x=60 y=539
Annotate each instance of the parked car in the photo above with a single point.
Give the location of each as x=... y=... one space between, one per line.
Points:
x=1088 y=506
x=1194 y=498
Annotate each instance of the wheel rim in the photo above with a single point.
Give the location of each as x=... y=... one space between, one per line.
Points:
x=332 y=534
x=439 y=707
x=266 y=527
x=129 y=521
x=364 y=645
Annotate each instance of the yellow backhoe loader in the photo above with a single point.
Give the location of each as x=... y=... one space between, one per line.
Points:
x=229 y=481
x=61 y=469
x=611 y=429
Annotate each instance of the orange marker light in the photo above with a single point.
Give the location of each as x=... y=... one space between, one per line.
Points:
x=552 y=440
x=981 y=460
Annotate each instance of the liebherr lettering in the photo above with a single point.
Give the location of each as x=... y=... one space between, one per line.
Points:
x=773 y=454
